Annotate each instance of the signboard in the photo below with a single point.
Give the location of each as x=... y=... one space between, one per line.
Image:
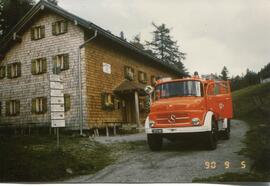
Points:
x=57 y=102
x=107 y=68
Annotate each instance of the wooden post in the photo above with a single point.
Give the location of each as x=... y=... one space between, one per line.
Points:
x=137 y=112
x=114 y=130
x=107 y=131
x=29 y=130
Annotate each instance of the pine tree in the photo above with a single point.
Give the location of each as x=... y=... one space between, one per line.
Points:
x=224 y=74
x=165 y=48
x=11 y=11
x=137 y=42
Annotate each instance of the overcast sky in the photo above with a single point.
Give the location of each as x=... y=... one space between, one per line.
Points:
x=213 y=33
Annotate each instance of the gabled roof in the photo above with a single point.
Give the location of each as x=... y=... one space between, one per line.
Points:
x=42 y=4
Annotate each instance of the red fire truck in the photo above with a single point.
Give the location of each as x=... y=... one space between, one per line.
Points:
x=189 y=106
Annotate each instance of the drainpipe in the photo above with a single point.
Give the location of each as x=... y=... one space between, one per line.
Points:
x=80 y=81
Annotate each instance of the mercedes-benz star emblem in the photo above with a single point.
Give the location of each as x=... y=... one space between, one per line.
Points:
x=172 y=119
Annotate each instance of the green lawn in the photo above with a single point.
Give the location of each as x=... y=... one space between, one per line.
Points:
x=36 y=159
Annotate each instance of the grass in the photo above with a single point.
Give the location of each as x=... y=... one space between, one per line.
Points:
x=252 y=104
x=36 y=159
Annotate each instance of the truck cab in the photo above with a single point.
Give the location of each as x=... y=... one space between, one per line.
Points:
x=192 y=106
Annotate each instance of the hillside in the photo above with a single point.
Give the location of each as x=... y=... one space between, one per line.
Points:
x=252 y=105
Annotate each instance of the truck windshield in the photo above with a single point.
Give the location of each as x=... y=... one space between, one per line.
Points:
x=178 y=89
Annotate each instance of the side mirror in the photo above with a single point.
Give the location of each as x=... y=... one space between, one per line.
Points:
x=149 y=89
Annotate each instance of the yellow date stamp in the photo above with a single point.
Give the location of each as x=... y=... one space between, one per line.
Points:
x=226 y=164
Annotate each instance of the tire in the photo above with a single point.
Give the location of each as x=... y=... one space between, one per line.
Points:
x=212 y=136
x=227 y=130
x=154 y=142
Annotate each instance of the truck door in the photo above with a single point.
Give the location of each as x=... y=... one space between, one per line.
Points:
x=219 y=98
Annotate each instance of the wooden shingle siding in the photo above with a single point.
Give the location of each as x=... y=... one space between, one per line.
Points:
x=29 y=86
x=98 y=52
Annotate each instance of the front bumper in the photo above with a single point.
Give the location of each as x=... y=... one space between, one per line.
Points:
x=195 y=129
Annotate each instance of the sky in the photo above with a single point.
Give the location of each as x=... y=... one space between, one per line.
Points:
x=213 y=33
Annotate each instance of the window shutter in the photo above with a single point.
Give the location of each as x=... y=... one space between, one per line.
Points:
x=140 y=76
x=7 y=108
x=67 y=104
x=3 y=72
x=44 y=105
x=65 y=26
x=19 y=70
x=145 y=78
x=103 y=100
x=34 y=105
x=9 y=71
x=44 y=65
x=66 y=61
x=32 y=33
x=17 y=107
x=33 y=67
x=54 y=28
x=113 y=102
x=42 y=31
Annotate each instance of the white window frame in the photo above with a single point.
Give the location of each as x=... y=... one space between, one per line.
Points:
x=39 y=105
x=12 y=107
x=60 y=62
x=37 y=32
x=14 y=70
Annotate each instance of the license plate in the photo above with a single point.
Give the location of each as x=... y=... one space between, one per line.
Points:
x=156 y=131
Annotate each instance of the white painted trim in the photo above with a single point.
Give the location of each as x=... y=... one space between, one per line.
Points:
x=204 y=128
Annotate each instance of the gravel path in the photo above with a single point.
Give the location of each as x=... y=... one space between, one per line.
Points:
x=175 y=163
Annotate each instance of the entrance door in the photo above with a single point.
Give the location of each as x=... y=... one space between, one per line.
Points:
x=128 y=108
x=219 y=98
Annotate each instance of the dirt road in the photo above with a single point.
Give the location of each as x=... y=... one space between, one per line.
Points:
x=177 y=162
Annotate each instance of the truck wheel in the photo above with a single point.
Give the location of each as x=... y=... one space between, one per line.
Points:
x=227 y=130
x=154 y=141
x=212 y=136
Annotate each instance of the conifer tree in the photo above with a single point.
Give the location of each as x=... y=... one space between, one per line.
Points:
x=165 y=48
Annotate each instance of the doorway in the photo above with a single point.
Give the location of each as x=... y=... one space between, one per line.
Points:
x=128 y=108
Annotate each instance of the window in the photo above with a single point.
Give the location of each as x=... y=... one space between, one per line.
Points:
x=59 y=27
x=39 y=66
x=67 y=102
x=188 y=88
x=39 y=105
x=153 y=80
x=107 y=100
x=13 y=108
x=13 y=70
x=0 y=108
x=60 y=63
x=2 y=72
x=142 y=77
x=37 y=32
x=129 y=73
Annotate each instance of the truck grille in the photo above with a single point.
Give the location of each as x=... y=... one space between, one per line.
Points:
x=173 y=118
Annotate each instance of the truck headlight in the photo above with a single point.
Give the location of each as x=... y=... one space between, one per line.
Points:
x=151 y=123
x=195 y=121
